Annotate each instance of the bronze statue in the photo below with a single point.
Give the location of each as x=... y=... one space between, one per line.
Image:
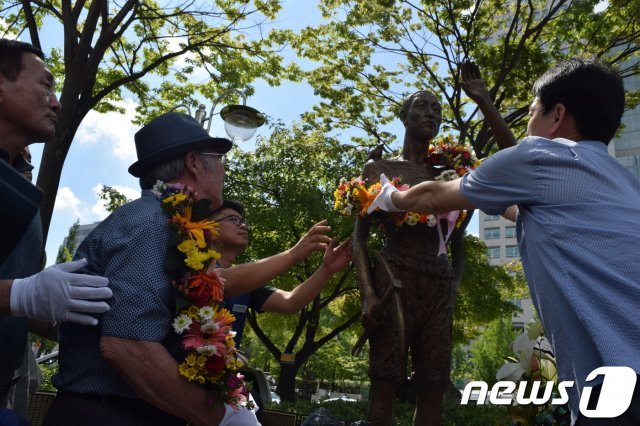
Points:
x=407 y=288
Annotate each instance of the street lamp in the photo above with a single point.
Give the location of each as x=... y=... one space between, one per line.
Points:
x=240 y=121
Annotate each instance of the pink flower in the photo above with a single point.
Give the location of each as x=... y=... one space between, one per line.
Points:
x=215 y=337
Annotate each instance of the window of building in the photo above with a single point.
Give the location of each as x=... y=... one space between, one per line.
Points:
x=491 y=233
x=490 y=217
x=510 y=232
x=512 y=251
x=494 y=252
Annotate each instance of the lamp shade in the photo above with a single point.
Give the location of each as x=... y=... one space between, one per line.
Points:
x=241 y=121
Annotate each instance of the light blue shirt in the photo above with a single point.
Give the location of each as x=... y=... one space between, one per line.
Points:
x=578 y=229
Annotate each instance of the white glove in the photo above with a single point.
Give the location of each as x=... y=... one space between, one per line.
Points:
x=57 y=294
x=383 y=200
x=242 y=417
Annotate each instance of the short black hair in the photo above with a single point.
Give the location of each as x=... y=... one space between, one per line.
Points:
x=11 y=52
x=231 y=204
x=591 y=92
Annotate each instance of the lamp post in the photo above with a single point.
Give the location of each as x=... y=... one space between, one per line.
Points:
x=240 y=121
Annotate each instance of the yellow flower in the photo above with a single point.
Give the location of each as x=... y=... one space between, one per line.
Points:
x=196 y=259
x=187 y=246
x=193 y=311
x=175 y=199
x=190 y=360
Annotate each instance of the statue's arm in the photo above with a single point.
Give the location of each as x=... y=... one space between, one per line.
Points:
x=362 y=262
x=475 y=87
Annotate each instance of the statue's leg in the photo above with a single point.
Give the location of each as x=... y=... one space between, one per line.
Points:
x=387 y=370
x=431 y=360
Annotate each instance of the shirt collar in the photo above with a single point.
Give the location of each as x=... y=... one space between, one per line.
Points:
x=596 y=146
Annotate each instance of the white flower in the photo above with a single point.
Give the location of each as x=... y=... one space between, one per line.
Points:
x=209 y=326
x=181 y=323
x=523 y=348
x=207 y=350
x=432 y=220
x=447 y=175
x=206 y=312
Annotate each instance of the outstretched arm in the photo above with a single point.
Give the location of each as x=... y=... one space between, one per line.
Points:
x=243 y=278
x=431 y=197
x=290 y=302
x=475 y=87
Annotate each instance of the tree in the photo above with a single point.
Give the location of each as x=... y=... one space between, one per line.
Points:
x=68 y=247
x=112 y=198
x=112 y=48
x=489 y=352
x=371 y=54
x=287 y=185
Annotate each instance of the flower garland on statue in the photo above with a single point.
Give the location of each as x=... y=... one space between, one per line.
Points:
x=355 y=196
x=211 y=356
x=447 y=153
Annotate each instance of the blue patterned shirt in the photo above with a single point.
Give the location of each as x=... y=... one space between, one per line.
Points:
x=129 y=248
x=578 y=230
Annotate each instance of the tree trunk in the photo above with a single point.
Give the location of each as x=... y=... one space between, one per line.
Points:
x=287 y=381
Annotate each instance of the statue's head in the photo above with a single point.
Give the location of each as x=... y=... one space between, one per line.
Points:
x=421 y=115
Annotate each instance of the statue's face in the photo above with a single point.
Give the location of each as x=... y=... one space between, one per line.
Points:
x=424 y=116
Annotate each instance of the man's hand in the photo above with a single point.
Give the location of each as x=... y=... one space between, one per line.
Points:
x=314 y=240
x=337 y=258
x=58 y=294
x=473 y=84
x=383 y=200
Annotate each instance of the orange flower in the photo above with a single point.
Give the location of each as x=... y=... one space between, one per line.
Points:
x=363 y=198
x=196 y=230
x=204 y=287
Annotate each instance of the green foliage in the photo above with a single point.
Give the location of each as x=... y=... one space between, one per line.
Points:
x=112 y=198
x=489 y=352
x=485 y=291
x=47 y=371
x=68 y=248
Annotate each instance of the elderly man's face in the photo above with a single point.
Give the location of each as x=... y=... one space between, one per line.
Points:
x=424 y=116
x=29 y=103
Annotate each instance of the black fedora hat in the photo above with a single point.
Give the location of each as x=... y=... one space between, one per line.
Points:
x=168 y=136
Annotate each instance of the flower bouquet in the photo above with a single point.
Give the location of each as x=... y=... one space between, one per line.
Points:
x=212 y=359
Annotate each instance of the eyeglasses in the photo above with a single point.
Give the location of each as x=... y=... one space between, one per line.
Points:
x=235 y=219
x=214 y=154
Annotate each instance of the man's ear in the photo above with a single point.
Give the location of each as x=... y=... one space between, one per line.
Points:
x=564 y=126
x=192 y=165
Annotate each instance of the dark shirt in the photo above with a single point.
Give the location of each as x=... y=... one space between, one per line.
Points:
x=238 y=306
x=23 y=261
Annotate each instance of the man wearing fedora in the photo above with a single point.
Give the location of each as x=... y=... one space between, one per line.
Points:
x=124 y=372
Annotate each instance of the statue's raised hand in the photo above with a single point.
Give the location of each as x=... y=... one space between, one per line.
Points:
x=472 y=82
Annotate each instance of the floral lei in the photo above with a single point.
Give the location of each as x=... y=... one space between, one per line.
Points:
x=355 y=196
x=211 y=356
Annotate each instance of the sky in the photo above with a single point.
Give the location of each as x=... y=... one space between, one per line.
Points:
x=104 y=148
